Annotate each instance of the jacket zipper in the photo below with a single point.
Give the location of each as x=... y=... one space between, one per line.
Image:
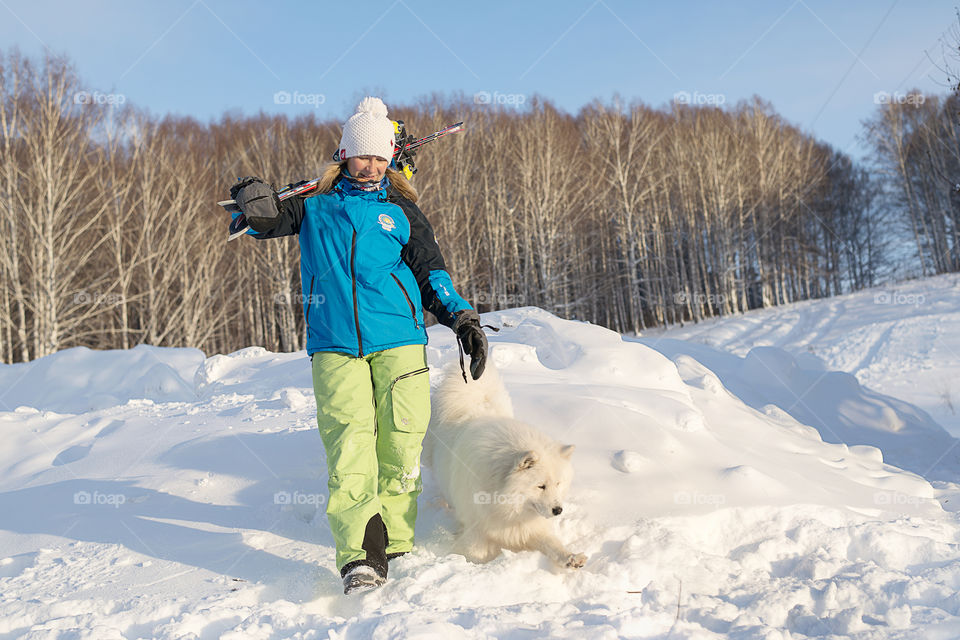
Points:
x=413 y=311
x=407 y=375
x=353 y=276
x=309 y=303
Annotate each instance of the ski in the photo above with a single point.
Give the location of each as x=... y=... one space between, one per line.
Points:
x=288 y=192
x=403 y=156
x=419 y=142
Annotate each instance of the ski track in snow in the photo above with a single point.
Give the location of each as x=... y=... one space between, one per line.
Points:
x=722 y=490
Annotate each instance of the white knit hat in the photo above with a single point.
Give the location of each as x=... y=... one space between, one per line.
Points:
x=368 y=132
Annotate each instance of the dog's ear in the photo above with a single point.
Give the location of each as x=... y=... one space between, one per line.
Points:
x=527 y=460
x=566 y=450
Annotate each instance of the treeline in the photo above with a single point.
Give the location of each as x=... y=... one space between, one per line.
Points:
x=917 y=140
x=623 y=215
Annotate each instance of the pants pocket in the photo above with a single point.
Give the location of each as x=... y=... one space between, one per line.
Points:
x=410 y=401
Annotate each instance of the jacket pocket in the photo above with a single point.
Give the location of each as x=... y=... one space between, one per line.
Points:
x=308 y=303
x=413 y=311
x=410 y=401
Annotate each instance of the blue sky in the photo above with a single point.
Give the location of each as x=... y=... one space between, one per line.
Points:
x=819 y=63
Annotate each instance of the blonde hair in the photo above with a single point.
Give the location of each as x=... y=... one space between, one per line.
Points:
x=399 y=181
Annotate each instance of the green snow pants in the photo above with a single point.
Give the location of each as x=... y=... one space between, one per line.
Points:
x=372 y=413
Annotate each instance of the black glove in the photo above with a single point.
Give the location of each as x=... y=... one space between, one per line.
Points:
x=474 y=340
x=258 y=202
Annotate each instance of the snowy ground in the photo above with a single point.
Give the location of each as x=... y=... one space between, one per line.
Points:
x=720 y=491
x=902 y=340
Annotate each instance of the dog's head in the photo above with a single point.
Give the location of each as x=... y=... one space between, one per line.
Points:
x=540 y=480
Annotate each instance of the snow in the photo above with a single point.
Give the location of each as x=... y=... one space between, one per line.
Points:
x=902 y=340
x=781 y=474
x=79 y=380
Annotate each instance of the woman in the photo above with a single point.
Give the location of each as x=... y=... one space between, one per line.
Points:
x=368 y=263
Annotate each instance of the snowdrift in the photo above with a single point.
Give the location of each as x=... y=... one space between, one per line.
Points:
x=158 y=493
x=774 y=382
x=902 y=340
x=79 y=380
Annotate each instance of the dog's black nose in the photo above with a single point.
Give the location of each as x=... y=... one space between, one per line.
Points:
x=557 y=510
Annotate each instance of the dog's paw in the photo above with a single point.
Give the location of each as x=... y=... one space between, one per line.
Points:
x=575 y=561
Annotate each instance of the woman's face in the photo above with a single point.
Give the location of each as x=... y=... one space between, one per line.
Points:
x=367 y=168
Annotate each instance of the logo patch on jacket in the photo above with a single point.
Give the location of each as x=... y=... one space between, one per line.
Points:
x=386 y=222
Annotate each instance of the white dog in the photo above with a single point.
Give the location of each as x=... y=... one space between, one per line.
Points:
x=504 y=479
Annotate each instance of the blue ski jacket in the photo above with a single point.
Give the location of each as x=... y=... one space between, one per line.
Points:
x=369 y=264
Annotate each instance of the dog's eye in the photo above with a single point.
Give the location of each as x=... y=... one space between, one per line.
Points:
x=542 y=487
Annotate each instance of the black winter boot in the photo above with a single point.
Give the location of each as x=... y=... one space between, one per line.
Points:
x=360 y=578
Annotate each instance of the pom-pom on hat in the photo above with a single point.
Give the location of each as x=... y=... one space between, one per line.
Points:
x=368 y=132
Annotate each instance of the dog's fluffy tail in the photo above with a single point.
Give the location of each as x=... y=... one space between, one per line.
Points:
x=455 y=401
